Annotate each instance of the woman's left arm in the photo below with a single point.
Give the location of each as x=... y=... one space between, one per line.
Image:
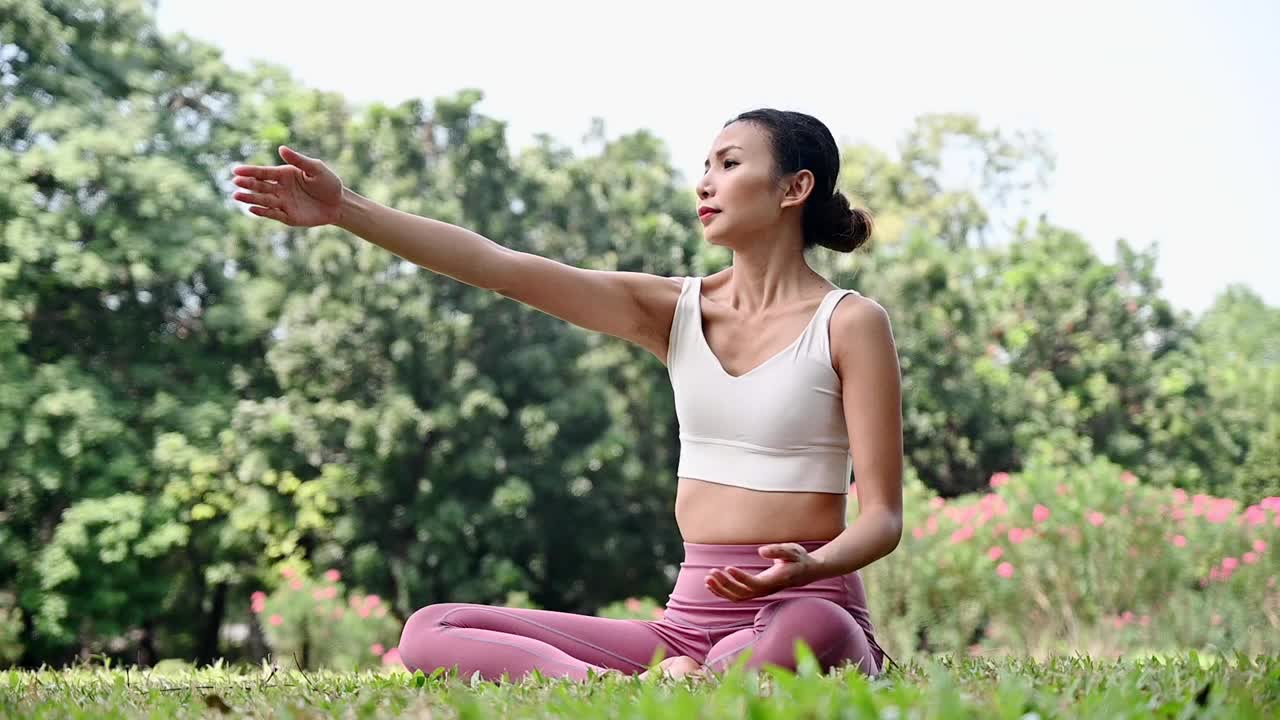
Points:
x=871 y=385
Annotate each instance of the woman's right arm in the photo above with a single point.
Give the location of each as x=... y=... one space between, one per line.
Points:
x=638 y=307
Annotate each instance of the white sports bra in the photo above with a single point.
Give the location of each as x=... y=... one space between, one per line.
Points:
x=779 y=427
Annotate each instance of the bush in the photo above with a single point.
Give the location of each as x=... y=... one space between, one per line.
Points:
x=1079 y=558
x=11 y=647
x=315 y=619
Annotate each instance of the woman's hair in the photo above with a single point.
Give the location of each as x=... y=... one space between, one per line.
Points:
x=802 y=142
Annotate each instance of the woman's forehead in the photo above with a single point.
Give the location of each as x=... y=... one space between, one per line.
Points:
x=742 y=134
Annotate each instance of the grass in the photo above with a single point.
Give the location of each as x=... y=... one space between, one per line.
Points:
x=1184 y=686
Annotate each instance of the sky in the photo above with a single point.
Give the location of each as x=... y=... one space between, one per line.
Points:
x=1162 y=116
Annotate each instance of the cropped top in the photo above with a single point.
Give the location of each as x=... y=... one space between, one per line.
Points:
x=778 y=427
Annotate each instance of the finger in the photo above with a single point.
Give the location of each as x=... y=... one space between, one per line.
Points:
x=254 y=198
x=263 y=172
x=733 y=585
x=744 y=578
x=256 y=185
x=718 y=588
x=272 y=213
x=293 y=157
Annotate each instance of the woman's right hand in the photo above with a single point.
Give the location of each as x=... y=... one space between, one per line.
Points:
x=304 y=193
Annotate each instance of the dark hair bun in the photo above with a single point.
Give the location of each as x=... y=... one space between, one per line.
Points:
x=839 y=227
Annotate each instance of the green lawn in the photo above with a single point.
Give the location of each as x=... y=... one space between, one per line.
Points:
x=1176 y=687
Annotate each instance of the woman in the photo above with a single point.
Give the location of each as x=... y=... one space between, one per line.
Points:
x=783 y=385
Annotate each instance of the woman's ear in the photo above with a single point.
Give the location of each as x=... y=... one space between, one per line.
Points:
x=798 y=188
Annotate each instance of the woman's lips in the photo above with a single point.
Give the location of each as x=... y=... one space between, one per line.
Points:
x=706 y=216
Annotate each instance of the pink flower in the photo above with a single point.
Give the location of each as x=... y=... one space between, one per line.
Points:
x=1230 y=563
x=275 y=620
x=961 y=535
x=363 y=612
x=999 y=479
x=1216 y=619
x=937 y=503
x=1260 y=545
x=917 y=533
x=1063 y=489
x=371 y=601
x=1144 y=620
x=1249 y=558
x=377 y=649
x=259 y=606
x=1005 y=570
x=634 y=605
x=329 y=592
x=338 y=613
x=995 y=553
x=1017 y=535
x=1180 y=540
x=657 y=614
x=332 y=575
x=392 y=657
x=354 y=601
x=1040 y=513
x=258 y=596
x=295 y=584
x=1128 y=478
x=318 y=594
x=1179 y=496
x=1096 y=518
x=288 y=572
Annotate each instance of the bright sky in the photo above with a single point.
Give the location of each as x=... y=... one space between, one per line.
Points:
x=1163 y=115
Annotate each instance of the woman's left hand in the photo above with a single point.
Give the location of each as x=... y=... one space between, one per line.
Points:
x=792 y=566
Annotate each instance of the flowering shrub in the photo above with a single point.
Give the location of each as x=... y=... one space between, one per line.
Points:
x=632 y=609
x=315 y=619
x=1061 y=559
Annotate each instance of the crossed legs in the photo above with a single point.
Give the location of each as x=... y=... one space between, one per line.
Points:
x=495 y=641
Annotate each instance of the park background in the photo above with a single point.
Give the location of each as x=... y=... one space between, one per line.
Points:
x=222 y=438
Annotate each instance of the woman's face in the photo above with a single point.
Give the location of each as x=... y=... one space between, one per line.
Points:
x=739 y=183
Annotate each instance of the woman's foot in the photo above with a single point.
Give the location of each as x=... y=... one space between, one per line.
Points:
x=677 y=667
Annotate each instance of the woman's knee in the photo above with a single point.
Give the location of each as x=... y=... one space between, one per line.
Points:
x=810 y=613
x=828 y=630
x=419 y=626
x=430 y=616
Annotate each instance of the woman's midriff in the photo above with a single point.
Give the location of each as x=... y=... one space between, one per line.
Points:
x=708 y=512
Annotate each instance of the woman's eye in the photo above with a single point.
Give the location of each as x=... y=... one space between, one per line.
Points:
x=727 y=163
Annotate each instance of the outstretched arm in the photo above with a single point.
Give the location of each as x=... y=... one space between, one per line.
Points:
x=629 y=305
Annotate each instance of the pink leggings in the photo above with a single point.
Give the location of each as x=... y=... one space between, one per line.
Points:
x=829 y=615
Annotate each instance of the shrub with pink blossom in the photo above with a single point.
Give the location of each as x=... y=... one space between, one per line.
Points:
x=323 y=625
x=632 y=609
x=1059 y=558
